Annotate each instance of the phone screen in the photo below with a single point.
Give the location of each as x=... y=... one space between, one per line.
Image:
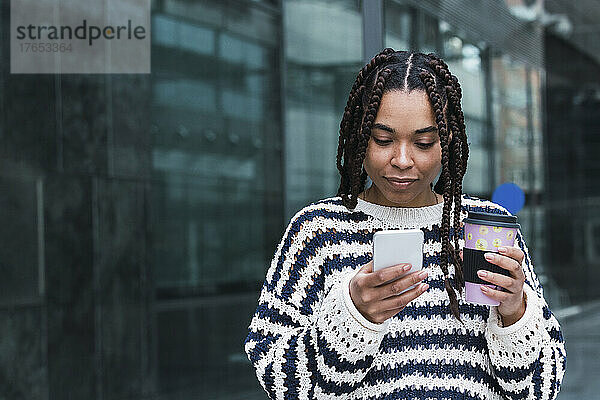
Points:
x=392 y=247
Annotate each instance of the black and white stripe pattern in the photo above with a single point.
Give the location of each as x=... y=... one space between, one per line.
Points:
x=307 y=340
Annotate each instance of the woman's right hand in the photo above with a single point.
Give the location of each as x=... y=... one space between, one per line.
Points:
x=377 y=300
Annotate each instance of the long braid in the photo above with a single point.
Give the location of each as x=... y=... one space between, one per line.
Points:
x=459 y=166
x=405 y=71
x=459 y=155
x=461 y=125
x=438 y=108
x=460 y=279
x=351 y=105
x=353 y=114
x=367 y=124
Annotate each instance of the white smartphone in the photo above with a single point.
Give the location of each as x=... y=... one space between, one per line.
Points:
x=392 y=247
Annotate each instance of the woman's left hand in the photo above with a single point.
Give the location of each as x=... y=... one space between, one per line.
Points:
x=512 y=302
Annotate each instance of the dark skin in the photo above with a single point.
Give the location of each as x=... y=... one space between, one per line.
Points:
x=512 y=302
x=404 y=143
x=397 y=148
x=378 y=300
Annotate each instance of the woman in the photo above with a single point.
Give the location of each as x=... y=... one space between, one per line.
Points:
x=327 y=326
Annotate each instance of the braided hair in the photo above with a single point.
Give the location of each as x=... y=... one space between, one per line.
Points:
x=406 y=71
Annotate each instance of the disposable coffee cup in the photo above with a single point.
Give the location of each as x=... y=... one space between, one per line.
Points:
x=484 y=233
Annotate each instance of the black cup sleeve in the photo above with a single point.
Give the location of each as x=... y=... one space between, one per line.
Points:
x=473 y=261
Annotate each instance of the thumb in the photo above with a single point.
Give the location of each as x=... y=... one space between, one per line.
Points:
x=367 y=268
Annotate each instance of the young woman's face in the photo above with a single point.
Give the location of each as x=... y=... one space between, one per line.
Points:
x=404 y=146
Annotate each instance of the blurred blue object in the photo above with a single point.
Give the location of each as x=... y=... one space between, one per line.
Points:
x=509 y=196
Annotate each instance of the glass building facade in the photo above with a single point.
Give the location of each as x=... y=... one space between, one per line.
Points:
x=140 y=212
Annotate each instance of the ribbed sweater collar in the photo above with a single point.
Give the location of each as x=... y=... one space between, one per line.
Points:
x=409 y=216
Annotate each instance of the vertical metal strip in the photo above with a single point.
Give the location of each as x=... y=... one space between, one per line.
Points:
x=2 y=73
x=282 y=148
x=372 y=12
x=97 y=296
x=490 y=133
x=530 y=155
x=60 y=164
x=110 y=133
x=41 y=229
x=39 y=188
x=545 y=255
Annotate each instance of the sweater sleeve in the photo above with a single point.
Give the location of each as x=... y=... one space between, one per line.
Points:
x=306 y=339
x=528 y=357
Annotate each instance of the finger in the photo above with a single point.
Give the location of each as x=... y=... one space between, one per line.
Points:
x=460 y=253
x=503 y=281
x=385 y=275
x=397 y=303
x=497 y=295
x=509 y=264
x=357 y=283
x=512 y=252
x=393 y=289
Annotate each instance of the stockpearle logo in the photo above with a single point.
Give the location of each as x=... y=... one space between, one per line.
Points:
x=80 y=36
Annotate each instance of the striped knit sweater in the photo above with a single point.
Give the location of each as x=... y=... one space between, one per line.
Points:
x=307 y=339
